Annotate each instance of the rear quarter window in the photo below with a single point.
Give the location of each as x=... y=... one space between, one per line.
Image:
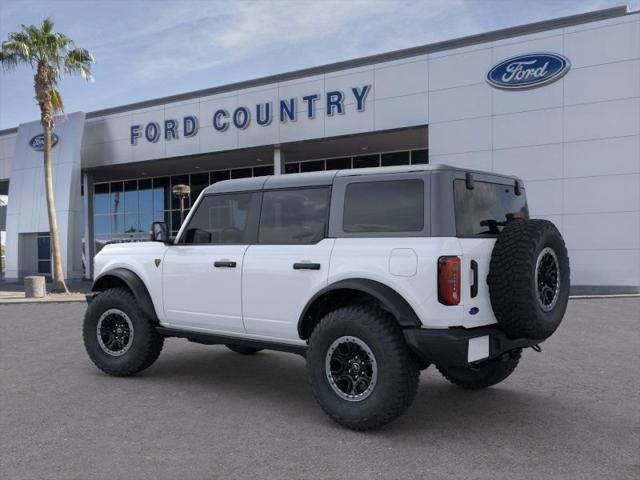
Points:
x=384 y=206
x=484 y=210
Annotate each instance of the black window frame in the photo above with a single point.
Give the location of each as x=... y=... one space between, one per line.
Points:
x=252 y=220
x=325 y=232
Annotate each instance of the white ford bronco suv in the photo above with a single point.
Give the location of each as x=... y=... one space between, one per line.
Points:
x=370 y=274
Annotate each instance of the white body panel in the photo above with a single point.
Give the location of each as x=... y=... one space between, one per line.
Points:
x=199 y=295
x=273 y=293
x=263 y=296
x=140 y=259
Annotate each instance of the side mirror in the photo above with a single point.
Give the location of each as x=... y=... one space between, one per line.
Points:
x=159 y=232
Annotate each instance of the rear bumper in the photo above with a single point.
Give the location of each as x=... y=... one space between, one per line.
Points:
x=462 y=346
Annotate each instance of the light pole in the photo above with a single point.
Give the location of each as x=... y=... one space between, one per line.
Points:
x=182 y=192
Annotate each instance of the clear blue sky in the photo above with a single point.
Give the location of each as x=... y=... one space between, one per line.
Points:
x=149 y=49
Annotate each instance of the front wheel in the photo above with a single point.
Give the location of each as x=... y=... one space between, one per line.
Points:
x=485 y=374
x=361 y=371
x=118 y=336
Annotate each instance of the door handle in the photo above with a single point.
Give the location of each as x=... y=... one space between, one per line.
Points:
x=224 y=263
x=474 y=271
x=306 y=266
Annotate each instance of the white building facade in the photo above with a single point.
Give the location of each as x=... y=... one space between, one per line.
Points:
x=556 y=103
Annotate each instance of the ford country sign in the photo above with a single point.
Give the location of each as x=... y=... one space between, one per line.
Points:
x=37 y=142
x=528 y=71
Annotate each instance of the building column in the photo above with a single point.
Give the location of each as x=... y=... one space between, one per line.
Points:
x=87 y=185
x=278 y=161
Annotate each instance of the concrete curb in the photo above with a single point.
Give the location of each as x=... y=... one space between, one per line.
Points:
x=73 y=298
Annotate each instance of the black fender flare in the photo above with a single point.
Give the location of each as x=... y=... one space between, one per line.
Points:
x=387 y=296
x=135 y=284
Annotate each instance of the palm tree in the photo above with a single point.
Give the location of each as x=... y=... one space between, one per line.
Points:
x=50 y=55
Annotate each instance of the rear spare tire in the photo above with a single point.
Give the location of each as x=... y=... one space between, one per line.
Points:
x=529 y=278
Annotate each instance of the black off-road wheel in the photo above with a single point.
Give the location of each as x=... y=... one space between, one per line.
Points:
x=529 y=279
x=482 y=375
x=118 y=336
x=242 y=349
x=361 y=371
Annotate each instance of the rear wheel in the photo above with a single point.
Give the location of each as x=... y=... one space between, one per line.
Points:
x=119 y=338
x=242 y=349
x=485 y=374
x=361 y=371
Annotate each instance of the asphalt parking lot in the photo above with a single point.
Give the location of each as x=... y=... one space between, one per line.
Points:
x=201 y=412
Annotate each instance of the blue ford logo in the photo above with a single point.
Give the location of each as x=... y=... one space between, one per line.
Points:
x=528 y=71
x=37 y=142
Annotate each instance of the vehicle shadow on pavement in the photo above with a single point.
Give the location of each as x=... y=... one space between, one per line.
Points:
x=250 y=379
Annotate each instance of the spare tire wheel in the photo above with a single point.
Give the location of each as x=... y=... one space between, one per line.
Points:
x=529 y=278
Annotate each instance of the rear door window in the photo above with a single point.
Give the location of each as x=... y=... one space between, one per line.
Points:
x=384 y=206
x=294 y=216
x=485 y=209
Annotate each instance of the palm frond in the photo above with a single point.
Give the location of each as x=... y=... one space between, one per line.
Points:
x=56 y=101
x=79 y=61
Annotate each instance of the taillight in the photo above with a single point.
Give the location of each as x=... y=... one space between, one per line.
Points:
x=449 y=280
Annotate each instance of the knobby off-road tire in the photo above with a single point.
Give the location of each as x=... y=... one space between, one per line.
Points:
x=376 y=339
x=242 y=349
x=485 y=374
x=529 y=279
x=134 y=348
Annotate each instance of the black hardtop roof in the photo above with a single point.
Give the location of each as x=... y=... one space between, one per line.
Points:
x=325 y=178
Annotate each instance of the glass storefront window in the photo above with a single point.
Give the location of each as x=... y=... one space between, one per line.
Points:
x=199 y=181
x=131 y=203
x=419 y=157
x=218 y=176
x=241 y=173
x=101 y=198
x=366 y=161
x=292 y=167
x=339 y=163
x=312 y=166
x=145 y=195
x=102 y=224
x=117 y=197
x=395 y=158
x=161 y=194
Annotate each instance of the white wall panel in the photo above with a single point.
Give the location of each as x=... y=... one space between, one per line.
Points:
x=527 y=128
x=456 y=70
x=117 y=152
x=459 y=103
x=212 y=140
x=592 y=231
x=603 y=45
x=601 y=120
x=304 y=128
x=182 y=146
x=549 y=41
x=617 y=193
x=117 y=127
x=403 y=79
x=473 y=160
x=602 y=82
x=351 y=122
x=460 y=136
x=399 y=112
x=609 y=156
x=605 y=267
x=540 y=162
x=544 y=197
x=345 y=83
x=259 y=134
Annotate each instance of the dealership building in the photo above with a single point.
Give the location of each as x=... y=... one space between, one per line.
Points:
x=556 y=103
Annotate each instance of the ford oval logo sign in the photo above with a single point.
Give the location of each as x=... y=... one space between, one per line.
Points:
x=528 y=71
x=37 y=142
